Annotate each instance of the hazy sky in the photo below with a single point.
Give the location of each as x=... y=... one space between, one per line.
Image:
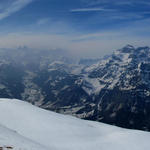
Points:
x=88 y=28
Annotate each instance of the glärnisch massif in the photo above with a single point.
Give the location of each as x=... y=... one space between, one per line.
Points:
x=114 y=90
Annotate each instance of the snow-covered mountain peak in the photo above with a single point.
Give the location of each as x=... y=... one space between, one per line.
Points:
x=139 y=53
x=123 y=55
x=120 y=70
x=130 y=55
x=125 y=49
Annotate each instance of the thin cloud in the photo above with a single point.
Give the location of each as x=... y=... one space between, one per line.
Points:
x=43 y=21
x=81 y=45
x=89 y=9
x=115 y=2
x=13 y=7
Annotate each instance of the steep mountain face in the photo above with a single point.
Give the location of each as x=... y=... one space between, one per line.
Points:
x=123 y=94
x=116 y=90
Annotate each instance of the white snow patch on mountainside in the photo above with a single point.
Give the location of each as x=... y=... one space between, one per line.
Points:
x=22 y=125
x=94 y=85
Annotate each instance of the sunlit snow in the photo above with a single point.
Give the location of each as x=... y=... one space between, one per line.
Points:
x=24 y=126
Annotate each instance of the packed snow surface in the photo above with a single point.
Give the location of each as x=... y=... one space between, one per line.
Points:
x=26 y=127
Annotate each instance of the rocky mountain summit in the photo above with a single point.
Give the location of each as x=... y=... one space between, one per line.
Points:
x=115 y=90
x=123 y=94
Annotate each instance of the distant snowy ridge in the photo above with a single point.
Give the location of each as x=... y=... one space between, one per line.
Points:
x=118 y=70
x=23 y=123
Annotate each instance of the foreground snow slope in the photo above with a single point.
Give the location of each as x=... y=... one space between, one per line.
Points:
x=10 y=138
x=59 y=132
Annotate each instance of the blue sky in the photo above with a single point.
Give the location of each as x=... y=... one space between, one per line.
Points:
x=90 y=28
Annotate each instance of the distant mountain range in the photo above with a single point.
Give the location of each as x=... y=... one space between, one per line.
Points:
x=114 y=90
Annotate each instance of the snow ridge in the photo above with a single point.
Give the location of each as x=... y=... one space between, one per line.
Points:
x=60 y=132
